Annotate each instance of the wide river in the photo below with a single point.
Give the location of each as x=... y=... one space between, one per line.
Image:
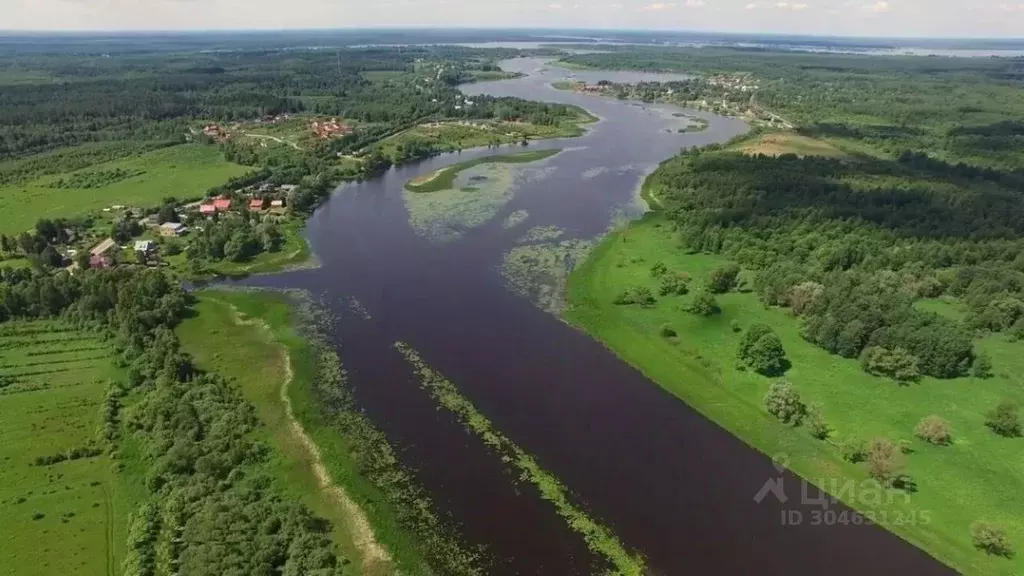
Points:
x=670 y=483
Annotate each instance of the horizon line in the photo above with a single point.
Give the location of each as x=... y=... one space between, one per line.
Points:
x=482 y=28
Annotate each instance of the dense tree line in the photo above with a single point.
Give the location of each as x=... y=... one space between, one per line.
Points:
x=210 y=511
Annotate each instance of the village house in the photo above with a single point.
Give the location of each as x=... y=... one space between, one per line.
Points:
x=256 y=204
x=101 y=256
x=147 y=247
x=207 y=209
x=221 y=203
x=328 y=129
x=172 y=229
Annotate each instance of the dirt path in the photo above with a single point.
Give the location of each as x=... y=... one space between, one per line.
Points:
x=375 y=558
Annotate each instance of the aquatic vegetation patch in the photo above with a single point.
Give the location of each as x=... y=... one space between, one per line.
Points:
x=599 y=538
x=540 y=234
x=444 y=178
x=446 y=215
x=541 y=271
x=515 y=219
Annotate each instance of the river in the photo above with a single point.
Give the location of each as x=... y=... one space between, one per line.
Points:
x=670 y=483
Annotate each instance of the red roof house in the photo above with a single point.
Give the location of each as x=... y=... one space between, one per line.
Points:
x=207 y=209
x=222 y=203
x=100 y=261
x=256 y=204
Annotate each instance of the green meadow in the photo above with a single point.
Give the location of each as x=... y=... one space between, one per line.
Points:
x=185 y=171
x=979 y=477
x=67 y=514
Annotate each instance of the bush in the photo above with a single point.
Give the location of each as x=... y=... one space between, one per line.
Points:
x=853 y=450
x=1004 y=419
x=639 y=295
x=897 y=363
x=885 y=461
x=783 y=402
x=736 y=327
x=990 y=538
x=667 y=331
x=982 y=366
x=762 y=351
x=816 y=424
x=704 y=304
x=658 y=269
x=934 y=430
x=722 y=280
x=673 y=284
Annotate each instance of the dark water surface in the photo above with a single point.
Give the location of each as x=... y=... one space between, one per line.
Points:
x=670 y=483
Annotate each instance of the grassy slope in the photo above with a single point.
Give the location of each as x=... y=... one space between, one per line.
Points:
x=244 y=351
x=979 y=477
x=181 y=171
x=779 y=143
x=444 y=178
x=52 y=411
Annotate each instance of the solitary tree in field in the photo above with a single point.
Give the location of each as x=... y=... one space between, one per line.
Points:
x=704 y=304
x=991 y=539
x=885 y=461
x=934 y=430
x=1004 y=420
x=816 y=424
x=982 y=366
x=783 y=402
x=762 y=351
x=722 y=280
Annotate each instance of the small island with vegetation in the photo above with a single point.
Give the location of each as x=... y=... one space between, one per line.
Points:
x=444 y=178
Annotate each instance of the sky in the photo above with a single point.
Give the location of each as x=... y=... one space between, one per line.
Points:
x=901 y=18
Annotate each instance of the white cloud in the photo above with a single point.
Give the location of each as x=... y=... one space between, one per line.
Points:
x=750 y=6
x=782 y=4
x=785 y=6
x=799 y=6
x=655 y=7
x=696 y=3
x=878 y=7
x=1012 y=7
x=554 y=6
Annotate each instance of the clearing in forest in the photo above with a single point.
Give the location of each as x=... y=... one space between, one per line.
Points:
x=64 y=507
x=779 y=143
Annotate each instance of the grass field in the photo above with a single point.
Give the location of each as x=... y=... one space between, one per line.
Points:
x=70 y=517
x=250 y=336
x=779 y=143
x=444 y=178
x=185 y=171
x=980 y=476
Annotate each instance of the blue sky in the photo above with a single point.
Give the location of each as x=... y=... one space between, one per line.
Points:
x=971 y=18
